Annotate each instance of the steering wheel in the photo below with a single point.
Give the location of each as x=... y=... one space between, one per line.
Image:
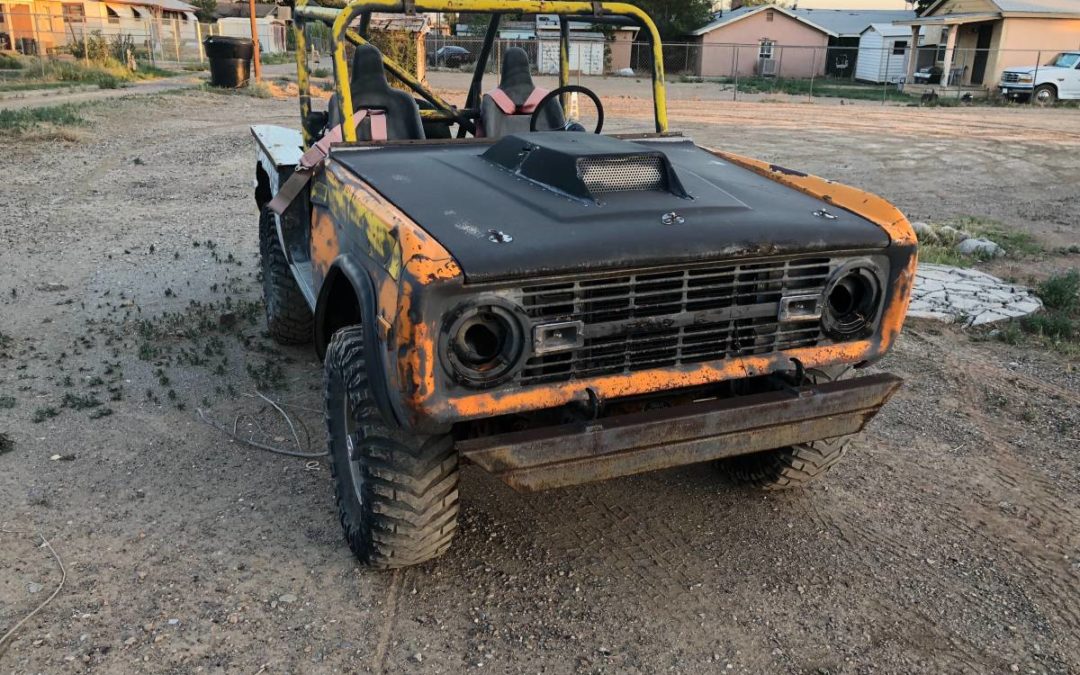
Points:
x=570 y=124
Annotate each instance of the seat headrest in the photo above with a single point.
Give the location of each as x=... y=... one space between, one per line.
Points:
x=367 y=74
x=515 y=69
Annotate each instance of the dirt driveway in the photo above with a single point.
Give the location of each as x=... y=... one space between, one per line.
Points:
x=949 y=540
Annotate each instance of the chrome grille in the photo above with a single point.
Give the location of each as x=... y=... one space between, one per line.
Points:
x=645 y=320
x=1010 y=77
x=621 y=174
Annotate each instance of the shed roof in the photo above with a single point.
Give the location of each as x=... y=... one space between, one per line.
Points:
x=167 y=5
x=889 y=30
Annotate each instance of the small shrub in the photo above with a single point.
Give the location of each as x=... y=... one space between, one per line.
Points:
x=44 y=413
x=9 y=62
x=1061 y=292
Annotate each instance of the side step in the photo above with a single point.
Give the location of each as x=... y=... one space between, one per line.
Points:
x=622 y=445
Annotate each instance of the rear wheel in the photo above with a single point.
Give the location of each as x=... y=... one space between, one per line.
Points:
x=288 y=317
x=397 y=493
x=1044 y=94
x=796 y=465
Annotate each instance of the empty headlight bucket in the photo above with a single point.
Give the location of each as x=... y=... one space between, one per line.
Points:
x=483 y=343
x=853 y=299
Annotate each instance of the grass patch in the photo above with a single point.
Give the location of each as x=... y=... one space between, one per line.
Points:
x=944 y=255
x=106 y=73
x=274 y=59
x=7 y=402
x=1017 y=244
x=820 y=87
x=23 y=119
x=254 y=90
x=320 y=72
x=7 y=444
x=1057 y=325
x=44 y=413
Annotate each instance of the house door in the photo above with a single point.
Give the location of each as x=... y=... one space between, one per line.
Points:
x=982 y=53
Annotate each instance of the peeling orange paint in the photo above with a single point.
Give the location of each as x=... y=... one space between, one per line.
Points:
x=325 y=247
x=869 y=206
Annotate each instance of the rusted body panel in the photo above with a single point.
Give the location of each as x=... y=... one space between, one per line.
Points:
x=417 y=281
x=656 y=439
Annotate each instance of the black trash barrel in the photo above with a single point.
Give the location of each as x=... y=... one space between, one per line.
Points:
x=230 y=60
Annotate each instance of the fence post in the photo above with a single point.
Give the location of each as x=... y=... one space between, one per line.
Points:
x=885 y=80
x=1035 y=77
x=176 y=38
x=813 y=72
x=198 y=40
x=735 y=96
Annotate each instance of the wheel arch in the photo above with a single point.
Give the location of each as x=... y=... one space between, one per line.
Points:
x=263 y=190
x=347 y=297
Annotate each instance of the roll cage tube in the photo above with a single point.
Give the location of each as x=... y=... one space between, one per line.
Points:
x=598 y=12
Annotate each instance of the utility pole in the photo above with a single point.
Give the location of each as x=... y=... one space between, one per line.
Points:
x=255 y=40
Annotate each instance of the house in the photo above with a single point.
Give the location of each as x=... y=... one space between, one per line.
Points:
x=981 y=38
x=40 y=27
x=884 y=49
x=848 y=25
x=765 y=40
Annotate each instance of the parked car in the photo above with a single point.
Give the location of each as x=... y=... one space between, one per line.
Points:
x=1044 y=85
x=451 y=56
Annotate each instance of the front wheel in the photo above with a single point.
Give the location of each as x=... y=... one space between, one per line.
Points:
x=288 y=317
x=796 y=465
x=1044 y=95
x=396 y=492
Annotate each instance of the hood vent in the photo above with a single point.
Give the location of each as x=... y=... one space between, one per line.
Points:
x=622 y=174
x=585 y=166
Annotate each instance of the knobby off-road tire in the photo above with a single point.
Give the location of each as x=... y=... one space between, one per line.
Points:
x=796 y=465
x=396 y=493
x=288 y=317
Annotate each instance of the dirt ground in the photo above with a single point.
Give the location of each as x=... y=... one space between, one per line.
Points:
x=948 y=540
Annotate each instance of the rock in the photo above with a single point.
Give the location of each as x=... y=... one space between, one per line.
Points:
x=925 y=233
x=980 y=247
x=418 y=657
x=287 y=598
x=36 y=496
x=34 y=587
x=174 y=622
x=625 y=72
x=949 y=235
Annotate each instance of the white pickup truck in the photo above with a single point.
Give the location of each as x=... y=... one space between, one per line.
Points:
x=1045 y=85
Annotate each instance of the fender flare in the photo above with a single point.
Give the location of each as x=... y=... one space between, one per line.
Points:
x=364 y=289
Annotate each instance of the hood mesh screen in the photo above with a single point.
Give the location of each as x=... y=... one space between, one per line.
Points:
x=621 y=174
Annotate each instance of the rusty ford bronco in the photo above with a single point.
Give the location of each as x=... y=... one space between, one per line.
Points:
x=493 y=283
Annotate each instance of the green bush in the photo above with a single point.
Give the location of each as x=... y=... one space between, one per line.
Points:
x=1061 y=292
x=9 y=62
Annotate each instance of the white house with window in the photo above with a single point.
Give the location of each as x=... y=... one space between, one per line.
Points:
x=883 y=53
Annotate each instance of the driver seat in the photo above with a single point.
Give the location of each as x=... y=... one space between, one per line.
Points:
x=508 y=108
x=371 y=93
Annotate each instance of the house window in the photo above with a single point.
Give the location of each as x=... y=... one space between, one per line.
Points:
x=769 y=14
x=113 y=16
x=74 y=12
x=899 y=48
x=765 y=49
x=940 y=53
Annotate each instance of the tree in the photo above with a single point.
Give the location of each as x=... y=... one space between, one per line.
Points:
x=204 y=10
x=921 y=5
x=676 y=18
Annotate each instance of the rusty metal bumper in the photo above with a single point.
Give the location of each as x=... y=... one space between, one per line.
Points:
x=621 y=445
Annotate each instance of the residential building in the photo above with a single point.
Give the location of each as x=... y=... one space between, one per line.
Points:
x=984 y=37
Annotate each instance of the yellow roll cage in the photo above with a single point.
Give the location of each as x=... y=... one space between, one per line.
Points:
x=342 y=18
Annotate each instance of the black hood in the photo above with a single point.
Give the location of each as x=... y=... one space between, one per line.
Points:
x=558 y=202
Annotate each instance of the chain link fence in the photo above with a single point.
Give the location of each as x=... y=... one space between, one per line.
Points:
x=892 y=72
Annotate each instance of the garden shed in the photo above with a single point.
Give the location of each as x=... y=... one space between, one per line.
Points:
x=883 y=53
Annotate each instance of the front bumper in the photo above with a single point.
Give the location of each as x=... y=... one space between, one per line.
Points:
x=627 y=444
x=1015 y=90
